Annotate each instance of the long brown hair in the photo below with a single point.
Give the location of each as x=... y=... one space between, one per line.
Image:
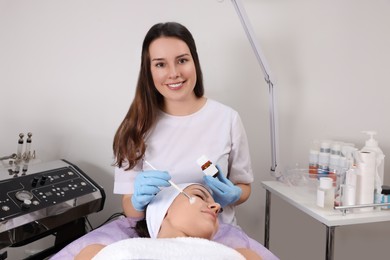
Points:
x=129 y=143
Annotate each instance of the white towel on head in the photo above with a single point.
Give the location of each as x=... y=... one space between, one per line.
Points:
x=168 y=248
x=158 y=207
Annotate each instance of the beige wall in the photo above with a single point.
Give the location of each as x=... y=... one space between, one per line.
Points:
x=68 y=70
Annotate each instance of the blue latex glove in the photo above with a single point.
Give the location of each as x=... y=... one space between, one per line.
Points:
x=146 y=186
x=224 y=191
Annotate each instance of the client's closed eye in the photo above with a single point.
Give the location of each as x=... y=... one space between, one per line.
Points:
x=200 y=193
x=200 y=196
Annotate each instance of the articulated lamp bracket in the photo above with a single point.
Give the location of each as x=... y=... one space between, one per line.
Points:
x=268 y=79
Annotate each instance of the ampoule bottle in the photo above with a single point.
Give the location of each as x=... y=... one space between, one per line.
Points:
x=313 y=163
x=20 y=147
x=325 y=193
x=323 y=163
x=207 y=166
x=323 y=158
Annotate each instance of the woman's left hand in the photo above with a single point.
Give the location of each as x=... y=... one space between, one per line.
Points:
x=224 y=191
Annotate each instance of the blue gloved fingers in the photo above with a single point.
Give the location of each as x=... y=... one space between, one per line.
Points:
x=215 y=185
x=146 y=186
x=155 y=182
x=147 y=190
x=152 y=178
x=222 y=177
x=224 y=194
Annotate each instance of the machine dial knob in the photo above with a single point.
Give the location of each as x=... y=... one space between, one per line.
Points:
x=35 y=181
x=23 y=195
x=26 y=204
x=43 y=180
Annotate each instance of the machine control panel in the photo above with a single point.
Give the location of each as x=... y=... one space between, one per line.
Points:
x=40 y=199
x=59 y=183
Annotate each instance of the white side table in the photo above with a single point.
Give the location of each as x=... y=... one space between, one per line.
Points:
x=305 y=200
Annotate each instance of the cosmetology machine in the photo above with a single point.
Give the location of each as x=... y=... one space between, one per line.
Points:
x=41 y=199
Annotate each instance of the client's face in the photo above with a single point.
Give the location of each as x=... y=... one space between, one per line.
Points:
x=197 y=219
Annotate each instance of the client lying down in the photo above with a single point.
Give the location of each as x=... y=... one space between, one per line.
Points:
x=183 y=229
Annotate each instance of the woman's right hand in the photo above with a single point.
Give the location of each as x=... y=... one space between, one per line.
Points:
x=146 y=186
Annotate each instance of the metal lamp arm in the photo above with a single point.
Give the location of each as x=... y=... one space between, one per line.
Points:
x=267 y=76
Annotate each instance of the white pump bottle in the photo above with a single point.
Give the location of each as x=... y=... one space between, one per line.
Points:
x=371 y=145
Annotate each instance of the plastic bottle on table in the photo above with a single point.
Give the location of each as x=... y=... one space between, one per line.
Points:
x=313 y=163
x=371 y=145
x=325 y=193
